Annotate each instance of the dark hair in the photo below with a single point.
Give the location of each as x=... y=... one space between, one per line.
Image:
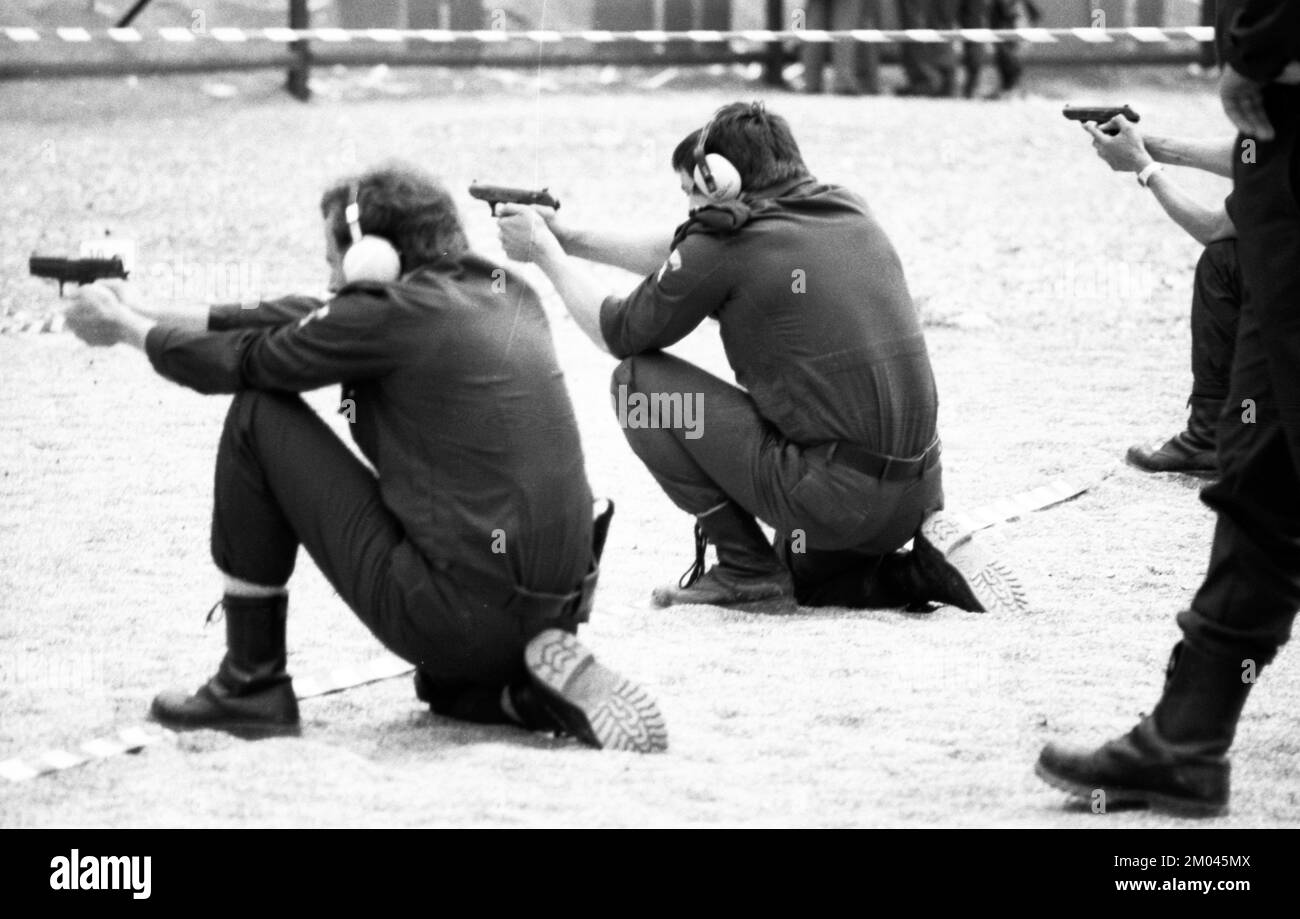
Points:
x=410 y=208
x=757 y=142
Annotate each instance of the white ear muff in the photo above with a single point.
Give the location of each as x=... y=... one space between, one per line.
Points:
x=725 y=178
x=369 y=258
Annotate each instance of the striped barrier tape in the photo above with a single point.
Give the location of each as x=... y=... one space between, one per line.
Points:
x=127 y=740
x=137 y=737
x=1083 y=35
x=1057 y=491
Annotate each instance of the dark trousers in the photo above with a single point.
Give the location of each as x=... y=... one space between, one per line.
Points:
x=855 y=63
x=928 y=65
x=1216 y=308
x=991 y=14
x=834 y=517
x=998 y=14
x=1209 y=13
x=1251 y=593
x=284 y=479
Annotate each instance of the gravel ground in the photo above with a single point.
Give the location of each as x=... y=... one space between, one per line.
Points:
x=1055 y=296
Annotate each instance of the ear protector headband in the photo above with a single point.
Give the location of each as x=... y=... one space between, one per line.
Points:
x=715 y=177
x=369 y=258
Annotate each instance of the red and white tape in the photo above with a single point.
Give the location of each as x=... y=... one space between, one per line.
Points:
x=1085 y=35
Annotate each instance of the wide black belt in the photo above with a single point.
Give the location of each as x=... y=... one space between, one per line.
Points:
x=568 y=609
x=882 y=465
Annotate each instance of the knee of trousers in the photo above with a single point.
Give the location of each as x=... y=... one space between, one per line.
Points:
x=1217 y=270
x=644 y=373
x=1255 y=648
x=251 y=407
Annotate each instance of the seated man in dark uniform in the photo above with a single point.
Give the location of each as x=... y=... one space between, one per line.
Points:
x=1216 y=288
x=832 y=441
x=469 y=550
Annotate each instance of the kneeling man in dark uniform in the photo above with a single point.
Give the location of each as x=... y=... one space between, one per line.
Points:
x=461 y=551
x=830 y=438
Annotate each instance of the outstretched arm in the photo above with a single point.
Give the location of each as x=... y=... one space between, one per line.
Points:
x=1209 y=155
x=355 y=336
x=638 y=251
x=1204 y=224
x=526 y=238
x=99 y=317
x=1126 y=152
x=201 y=317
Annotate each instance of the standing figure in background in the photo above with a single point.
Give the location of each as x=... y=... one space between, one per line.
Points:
x=853 y=64
x=994 y=14
x=930 y=67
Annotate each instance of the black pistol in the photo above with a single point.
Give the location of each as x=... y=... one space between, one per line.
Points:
x=501 y=194
x=1100 y=114
x=80 y=270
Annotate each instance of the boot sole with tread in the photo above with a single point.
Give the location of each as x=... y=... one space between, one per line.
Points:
x=598 y=706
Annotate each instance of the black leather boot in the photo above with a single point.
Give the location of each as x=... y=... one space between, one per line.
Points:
x=950 y=566
x=1191 y=451
x=570 y=693
x=748 y=576
x=251 y=695
x=1175 y=760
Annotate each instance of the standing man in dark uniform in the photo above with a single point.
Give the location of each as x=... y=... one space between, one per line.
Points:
x=1176 y=757
x=1216 y=288
x=832 y=439
x=469 y=550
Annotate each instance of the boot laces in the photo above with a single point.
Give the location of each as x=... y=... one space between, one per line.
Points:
x=694 y=572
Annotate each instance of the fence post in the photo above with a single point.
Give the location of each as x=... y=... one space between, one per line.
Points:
x=300 y=70
x=775 y=61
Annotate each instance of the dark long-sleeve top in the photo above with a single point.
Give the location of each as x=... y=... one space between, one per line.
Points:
x=815 y=316
x=457 y=400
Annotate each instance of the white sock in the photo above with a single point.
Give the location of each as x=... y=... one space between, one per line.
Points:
x=508 y=706
x=236 y=587
x=716 y=507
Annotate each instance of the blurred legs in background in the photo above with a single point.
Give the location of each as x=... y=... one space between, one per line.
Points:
x=930 y=67
x=853 y=64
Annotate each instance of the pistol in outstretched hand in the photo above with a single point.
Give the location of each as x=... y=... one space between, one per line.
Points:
x=80 y=270
x=1100 y=114
x=501 y=194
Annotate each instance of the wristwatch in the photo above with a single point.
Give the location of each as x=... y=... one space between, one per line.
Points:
x=1147 y=172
